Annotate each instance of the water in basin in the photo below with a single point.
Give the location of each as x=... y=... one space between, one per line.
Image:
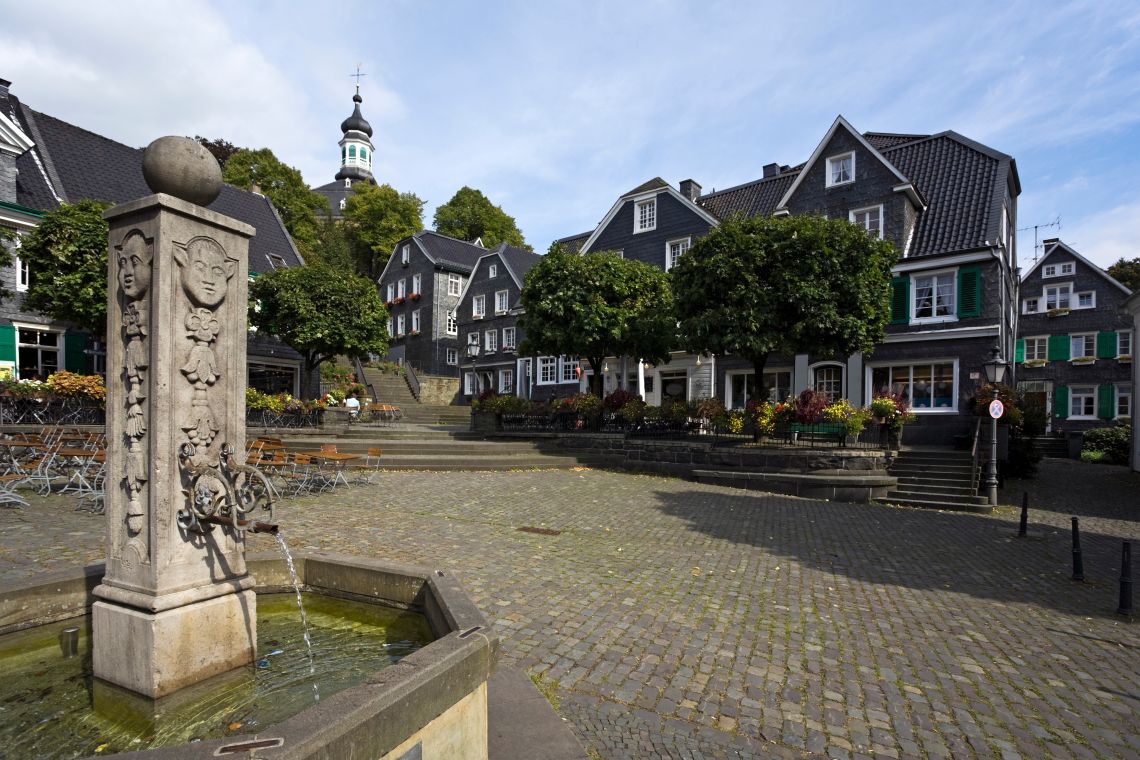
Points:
x=51 y=707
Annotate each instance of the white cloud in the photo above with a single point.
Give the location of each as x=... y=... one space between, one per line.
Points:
x=1107 y=236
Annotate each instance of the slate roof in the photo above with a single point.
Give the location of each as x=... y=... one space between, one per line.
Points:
x=519 y=260
x=654 y=184
x=452 y=254
x=962 y=181
x=334 y=192
x=80 y=164
x=574 y=243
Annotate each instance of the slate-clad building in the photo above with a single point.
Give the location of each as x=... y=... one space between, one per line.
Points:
x=948 y=203
x=1075 y=341
x=45 y=162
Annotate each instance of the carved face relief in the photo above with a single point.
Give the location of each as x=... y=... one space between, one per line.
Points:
x=205 y=272
x=134 y=266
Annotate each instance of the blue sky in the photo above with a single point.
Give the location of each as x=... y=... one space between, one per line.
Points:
x=553 y=109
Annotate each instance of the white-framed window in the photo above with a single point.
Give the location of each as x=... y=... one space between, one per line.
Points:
x=1058 y=296
x=469 y=383
x=506 y=380
x=454 y=284
x=417 y=281
x=491 y=341
x=391 y=292
x=870 y=219
x=1036 y=348
x=37 y=352
x=740 y=386
x=1082 y=346
x=1086 y=299
x=343 y=204
x=841 y=169
x=1031 y=305
x=493 y=271
x=1060 y=269
x=276 y=261
x=509 y=338
x=416 y=320
x=501 y=301
x=569 y=367
x=547 y=370
x=406 y=254
x=479 y=307
x=452 y=356
x=452 y=323
x=1123 y=402
x=400 y=324
x=402 y=287
x=1124 y=343
x=391 y=326
x=620 y=253
x=1082 y=402
x=934 y=296
x=645 y=215
x=674 y=250
x=828 y=381
x=927 y=387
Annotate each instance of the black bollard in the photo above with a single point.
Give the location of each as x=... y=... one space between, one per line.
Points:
x=1125 y=607
x=1078 y=563
x=1023 y=530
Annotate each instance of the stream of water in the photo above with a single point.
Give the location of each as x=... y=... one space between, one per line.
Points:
x=280 y=536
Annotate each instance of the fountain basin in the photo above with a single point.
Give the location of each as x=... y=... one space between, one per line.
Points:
x=433 y=703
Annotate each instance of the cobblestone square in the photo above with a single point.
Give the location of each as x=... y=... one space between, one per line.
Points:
x=679 y=620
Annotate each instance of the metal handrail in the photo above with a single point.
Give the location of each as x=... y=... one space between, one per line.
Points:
x=358 y=368
x=974 y=452
x=413 y=381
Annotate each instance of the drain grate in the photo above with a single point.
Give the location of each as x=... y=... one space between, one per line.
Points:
x=541 y=531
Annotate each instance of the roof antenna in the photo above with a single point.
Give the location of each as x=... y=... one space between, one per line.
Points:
x=358 y=75
x=1055 y=223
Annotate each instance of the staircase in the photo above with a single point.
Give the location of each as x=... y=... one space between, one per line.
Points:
x=422 y=448
x=935 y=479
x=393 y=389
x=1051 y=446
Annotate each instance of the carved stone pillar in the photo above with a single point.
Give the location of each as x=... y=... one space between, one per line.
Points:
x=176 y=376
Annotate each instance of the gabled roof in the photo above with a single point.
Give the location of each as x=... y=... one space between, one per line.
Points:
x=1058 y=245
x=448 y=252
x=655 y=185
x=69 y=164
x=12 y=137
x=517 y=260
x=758 y=197
x=573 y=243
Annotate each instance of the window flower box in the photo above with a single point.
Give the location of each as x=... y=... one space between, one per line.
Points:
x=1056 y=312
x=389 y=304
x=413 y=296
x=414 y=334
x=398 y=301
x=1124 y=358
x=1083 y=360
x=1036 y=362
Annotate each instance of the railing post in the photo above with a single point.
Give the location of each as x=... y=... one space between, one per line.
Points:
x=1125 y=606
x=1078 y=563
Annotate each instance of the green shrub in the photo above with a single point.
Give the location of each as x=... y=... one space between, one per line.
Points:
x=1113 y=442
x=1095 y=457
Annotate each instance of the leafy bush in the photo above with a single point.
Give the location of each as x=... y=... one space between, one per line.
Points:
x=70 y=385
x=892 y=410
x=333 y=373
x=809 y=407
x=582 y=403
x=1114 y=443
x=618 y=399
x=707 y=409
x=852 y=418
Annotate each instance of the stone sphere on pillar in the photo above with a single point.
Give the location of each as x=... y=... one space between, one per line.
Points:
x=182 y=167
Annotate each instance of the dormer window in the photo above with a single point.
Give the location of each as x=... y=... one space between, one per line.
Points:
x=348 y=182
x=841 y=169
x=645 y=215
x=343 y=204
x=870 y=219
x=1057 y=270
x=277 y=262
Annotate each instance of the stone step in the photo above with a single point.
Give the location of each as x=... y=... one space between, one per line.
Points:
x=419 y=448
x=948 y=455
x=902 y=493
x=940 y=470
x=928 y=503
x=934 y=480
x=929 y=488
x=467 y=463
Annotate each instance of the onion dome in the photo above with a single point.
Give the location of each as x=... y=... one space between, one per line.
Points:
x=356 y=121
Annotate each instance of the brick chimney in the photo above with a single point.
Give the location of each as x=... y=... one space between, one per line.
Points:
x=771 y=170
x=690 y=189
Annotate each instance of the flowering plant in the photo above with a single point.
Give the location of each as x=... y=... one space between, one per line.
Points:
x=892 y=410
x=852 y=418
x=413 y=296
x=809 y=407
x=581 y=403
x=69 y=384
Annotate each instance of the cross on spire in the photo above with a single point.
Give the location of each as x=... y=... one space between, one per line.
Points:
x=358 y=75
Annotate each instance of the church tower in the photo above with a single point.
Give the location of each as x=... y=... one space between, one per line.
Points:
x=356 y=145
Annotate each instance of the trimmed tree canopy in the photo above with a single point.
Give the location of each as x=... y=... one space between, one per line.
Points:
x=67 y=266
x=792 y=285
x=286 y=190
x=322 y=313
x=595 y=306
x=470 y=215
x=1126 y=272
x=375 y=219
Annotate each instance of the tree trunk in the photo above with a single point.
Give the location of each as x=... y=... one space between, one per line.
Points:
x=596 y=380
x=761 y=393
x=311 y=378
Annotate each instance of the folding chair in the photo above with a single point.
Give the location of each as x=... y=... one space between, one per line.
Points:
x=8 y=495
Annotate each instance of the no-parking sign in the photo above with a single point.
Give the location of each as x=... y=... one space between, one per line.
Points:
x=997 y=408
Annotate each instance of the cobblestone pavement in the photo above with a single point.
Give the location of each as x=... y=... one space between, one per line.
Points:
x=678 y=620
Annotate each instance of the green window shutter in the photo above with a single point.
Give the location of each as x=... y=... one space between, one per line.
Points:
x=900 y=301
x=1019 y=351
x=7 y=343
x=75 y=352
x=1061 y=402
x=1106 y=344
x=1058 y=348
x=969 y=292
x=1106 y=402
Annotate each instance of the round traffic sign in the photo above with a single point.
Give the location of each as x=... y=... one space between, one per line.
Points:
x=997 y=408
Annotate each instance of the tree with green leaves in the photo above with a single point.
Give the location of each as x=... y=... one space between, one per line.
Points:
x=333 y=248
x=595 y=306
x=322 y=312
x=67 y=265
x=1126 y=272
x=793 y=285
x=470 y=215
x=300 y=208
x=376 y=217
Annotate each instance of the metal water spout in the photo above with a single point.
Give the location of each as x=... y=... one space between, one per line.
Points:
x=224 y=495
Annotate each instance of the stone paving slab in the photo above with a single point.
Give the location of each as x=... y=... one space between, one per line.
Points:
x=679 y=620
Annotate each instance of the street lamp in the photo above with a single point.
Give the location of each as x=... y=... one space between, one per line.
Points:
x=473 y=354
x=995 y=373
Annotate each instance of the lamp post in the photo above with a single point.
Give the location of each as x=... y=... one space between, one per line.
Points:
x=995 y=373
x=473 y=354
